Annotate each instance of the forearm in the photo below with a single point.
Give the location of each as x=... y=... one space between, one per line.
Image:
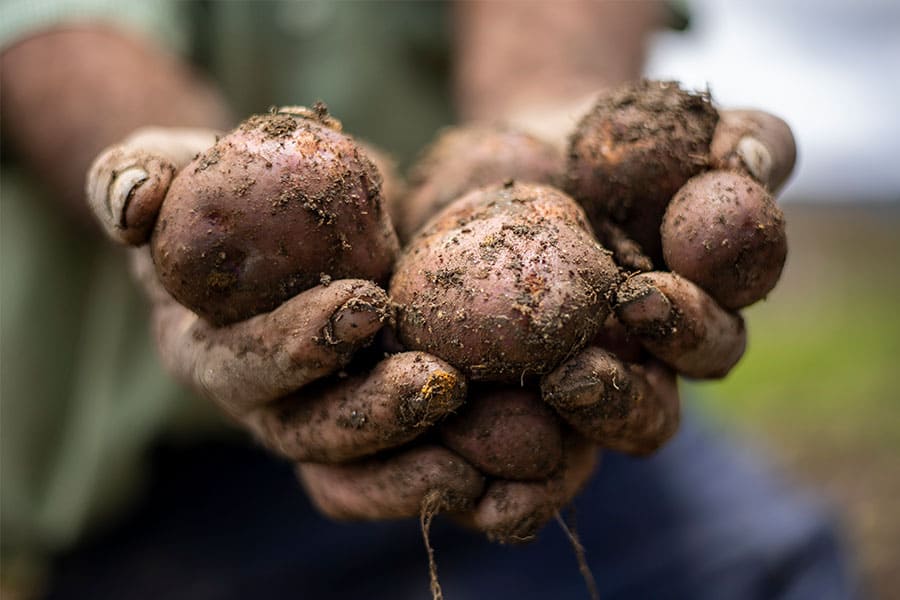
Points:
x=69 y=92
x=511 y=56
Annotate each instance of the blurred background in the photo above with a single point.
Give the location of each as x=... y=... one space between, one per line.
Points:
x=816 y=390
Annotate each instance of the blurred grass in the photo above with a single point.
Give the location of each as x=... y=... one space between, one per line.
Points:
x=818 y=386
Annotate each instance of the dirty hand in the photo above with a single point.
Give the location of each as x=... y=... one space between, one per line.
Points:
x=280 y=374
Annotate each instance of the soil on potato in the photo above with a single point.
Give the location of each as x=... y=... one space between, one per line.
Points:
x=635 y=148
x=272 y=209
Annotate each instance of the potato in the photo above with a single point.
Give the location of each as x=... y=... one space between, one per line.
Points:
x=280 y=203
x=511 y=512
x=636 y=147
x=504 y=283
x=464 y=158
x=725 y=233
x=506 y=432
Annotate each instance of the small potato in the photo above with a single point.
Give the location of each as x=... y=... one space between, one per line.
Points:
x=464 y=158
x=506 y=432
x=280 y=203
x=725 y=233
x=504 y=283
x=512 y=512
x=639 y=144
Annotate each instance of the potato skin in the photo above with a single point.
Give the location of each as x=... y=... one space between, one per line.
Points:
x=636 y=147
x=461 y=159
x=264 y=214
x=504 y=283
x=725 y=233
x=506 y=432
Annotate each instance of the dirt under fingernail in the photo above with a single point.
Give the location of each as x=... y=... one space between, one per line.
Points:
x=643 y=306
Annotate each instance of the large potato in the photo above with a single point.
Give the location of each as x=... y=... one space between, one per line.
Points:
x=504 y=283
x=274 y=207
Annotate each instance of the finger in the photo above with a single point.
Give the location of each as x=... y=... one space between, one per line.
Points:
x=252 y=362
x=127 y=182
x=336 y=421
x=681 y=324
x=754 y=142
x=626 y=407
x=616 y=338
x=626 y=252
x=513 y=511
x=393 y=487
x=506 y=432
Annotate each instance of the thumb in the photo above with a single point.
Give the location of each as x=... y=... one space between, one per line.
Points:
x=127 y=182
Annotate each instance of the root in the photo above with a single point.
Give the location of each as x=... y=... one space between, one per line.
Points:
x=431 y=506
x=579 y=556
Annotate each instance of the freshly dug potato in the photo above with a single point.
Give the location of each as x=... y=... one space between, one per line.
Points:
x=504 y=283
x=511 y=512
x=464 y=158
x=639 y=144
x=280 y=203
x=725 y=233
x=506 y=432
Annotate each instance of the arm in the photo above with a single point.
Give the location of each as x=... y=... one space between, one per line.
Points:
x=70 y=91
x=538 y=65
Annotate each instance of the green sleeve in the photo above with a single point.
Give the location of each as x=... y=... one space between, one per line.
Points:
x=82 y=395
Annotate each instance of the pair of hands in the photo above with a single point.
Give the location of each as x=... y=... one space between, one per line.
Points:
x=280 y=374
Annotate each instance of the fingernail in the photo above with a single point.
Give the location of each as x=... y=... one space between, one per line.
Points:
x=642 y=305
x=756 y=157
x=120 y=192
x=352 y=322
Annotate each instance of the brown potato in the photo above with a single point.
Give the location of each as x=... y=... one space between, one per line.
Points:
x=274 y=207
x=506 y=432
x=504 y=283
x=464 y=158
x=512 y=512
x=725 y=233
x=639 y=144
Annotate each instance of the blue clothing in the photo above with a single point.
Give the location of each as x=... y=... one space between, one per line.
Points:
x=698 y=520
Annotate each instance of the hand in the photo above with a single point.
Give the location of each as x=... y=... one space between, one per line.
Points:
x=279 y=374
x=619 y=393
